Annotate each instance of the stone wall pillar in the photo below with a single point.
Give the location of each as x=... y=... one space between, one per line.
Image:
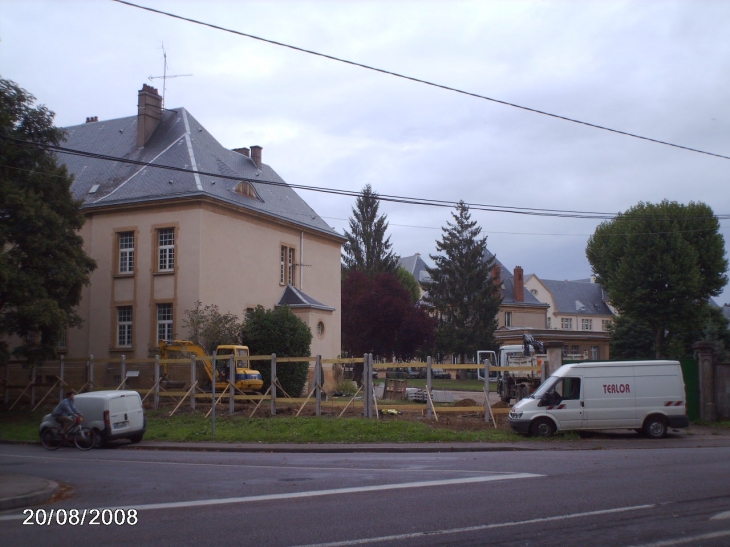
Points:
x=554 y=357
x=706 y=369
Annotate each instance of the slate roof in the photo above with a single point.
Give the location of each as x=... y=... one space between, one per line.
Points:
x=508 y=295
x=179 y=141
x=416 y=266
x=578 y=297
x=489 y=255
x=294 y=298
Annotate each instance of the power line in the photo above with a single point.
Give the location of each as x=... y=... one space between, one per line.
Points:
x=350 y=193
x=420 y=81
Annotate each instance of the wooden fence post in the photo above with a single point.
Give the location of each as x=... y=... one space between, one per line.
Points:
x=157 y=382
x=318 y=385
x=91 y=373
x=192 y=382
x=62 y=384
x=274 y=381
x=429 y=412
x=232 y=380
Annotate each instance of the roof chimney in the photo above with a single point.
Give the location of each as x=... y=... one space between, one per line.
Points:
x=149 y=113
x=519 y=284
x=243 y=151
x=256 y=155
x=497 y=274
x=92 y=119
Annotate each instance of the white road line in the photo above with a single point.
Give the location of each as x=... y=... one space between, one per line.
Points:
x=313 y=493
x=725 y=515
x=417 y=535
x=680 y=541
x=55 y=457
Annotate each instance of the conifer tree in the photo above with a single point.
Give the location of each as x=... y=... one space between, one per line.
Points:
x=367 y=248
x=461 y=291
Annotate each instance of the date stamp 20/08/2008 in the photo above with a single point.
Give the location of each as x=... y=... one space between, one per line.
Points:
x=80 y=517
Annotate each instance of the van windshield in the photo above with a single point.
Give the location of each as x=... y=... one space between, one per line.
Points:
x=546 y=386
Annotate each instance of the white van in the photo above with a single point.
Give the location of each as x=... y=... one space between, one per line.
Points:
x=647 y=396
x=112 y=414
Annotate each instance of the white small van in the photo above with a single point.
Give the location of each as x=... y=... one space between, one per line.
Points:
x=113 y=414
x=647 y=396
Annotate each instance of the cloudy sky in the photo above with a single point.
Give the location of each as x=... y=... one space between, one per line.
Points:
x=660 y=69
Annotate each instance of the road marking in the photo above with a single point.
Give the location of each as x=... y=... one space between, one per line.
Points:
x=725 y=515
x=254 y=466
x=683 y=540
x=314 y=493
x=417 y=535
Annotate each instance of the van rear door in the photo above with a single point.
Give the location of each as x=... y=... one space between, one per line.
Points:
x=119 y=414
x=135 y=411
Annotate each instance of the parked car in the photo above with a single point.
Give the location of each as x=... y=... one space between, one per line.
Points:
x=440 y=374
x=112 y=414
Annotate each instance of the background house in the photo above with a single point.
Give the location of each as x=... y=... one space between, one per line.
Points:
x=165 y=239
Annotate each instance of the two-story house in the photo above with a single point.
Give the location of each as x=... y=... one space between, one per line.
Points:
x=220 y=227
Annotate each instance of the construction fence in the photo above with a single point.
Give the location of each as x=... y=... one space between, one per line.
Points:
x=33 y=386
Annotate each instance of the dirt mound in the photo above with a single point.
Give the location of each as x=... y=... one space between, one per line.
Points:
x=501 y=404
x=467 y=402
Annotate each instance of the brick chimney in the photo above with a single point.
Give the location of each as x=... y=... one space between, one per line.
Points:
x=243 y=151
x=92 y=119
x=256 y=155
x=519 y=284
x=149 y=113
x=497 y=274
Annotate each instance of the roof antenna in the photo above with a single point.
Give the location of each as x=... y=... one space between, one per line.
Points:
x=165 y=76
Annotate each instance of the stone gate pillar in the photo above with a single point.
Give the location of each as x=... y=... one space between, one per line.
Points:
x=554 y=357
x=706 y=369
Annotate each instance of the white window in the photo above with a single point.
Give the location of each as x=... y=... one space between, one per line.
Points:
x=605 y=324
x=320 y=328
x=126 y=252
x=166 y=249
x=164 y=322
x=63 y=340
x=549 y=322
x=594 y=353
x=124 y=326
x=508 y=319
x=566 y=323
x=586 y=324
x=287 y=266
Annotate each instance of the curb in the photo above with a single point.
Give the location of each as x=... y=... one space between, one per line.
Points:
x=42 y=491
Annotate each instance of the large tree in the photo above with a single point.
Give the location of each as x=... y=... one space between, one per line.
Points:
x=660 y=263
x=281 y=332
x=367 y=247
x=43 y=267
x=463 y=295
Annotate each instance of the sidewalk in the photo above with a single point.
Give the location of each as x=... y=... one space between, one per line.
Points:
x=25 y=491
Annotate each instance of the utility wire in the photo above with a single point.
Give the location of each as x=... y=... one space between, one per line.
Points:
x=350 y=193
x=420 y=81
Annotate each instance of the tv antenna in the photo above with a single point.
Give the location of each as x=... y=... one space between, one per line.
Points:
x=165 y=76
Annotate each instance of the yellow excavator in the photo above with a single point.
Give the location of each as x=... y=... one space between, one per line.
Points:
x=246 y=379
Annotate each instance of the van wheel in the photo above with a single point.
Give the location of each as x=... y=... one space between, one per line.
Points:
x=542 y=427
x=655 y=427
x=135 y=438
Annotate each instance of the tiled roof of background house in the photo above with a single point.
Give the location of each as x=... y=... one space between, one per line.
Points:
x=578 y=297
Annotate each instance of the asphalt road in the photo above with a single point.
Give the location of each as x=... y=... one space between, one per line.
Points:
x=650 y=497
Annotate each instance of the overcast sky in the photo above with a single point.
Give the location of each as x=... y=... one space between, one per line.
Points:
x=659 y=69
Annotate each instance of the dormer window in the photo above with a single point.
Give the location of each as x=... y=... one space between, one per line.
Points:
x=245 y=189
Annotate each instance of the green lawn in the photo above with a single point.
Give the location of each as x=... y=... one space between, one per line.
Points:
x=193 y=426
x=451 y=385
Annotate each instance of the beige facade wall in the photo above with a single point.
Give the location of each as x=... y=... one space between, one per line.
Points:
x=223 y=256
x=522 y=316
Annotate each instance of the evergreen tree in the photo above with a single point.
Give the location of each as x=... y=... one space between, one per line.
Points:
x=461 y=291
x=660 y=263
x=367 y=249
x=43 y=267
